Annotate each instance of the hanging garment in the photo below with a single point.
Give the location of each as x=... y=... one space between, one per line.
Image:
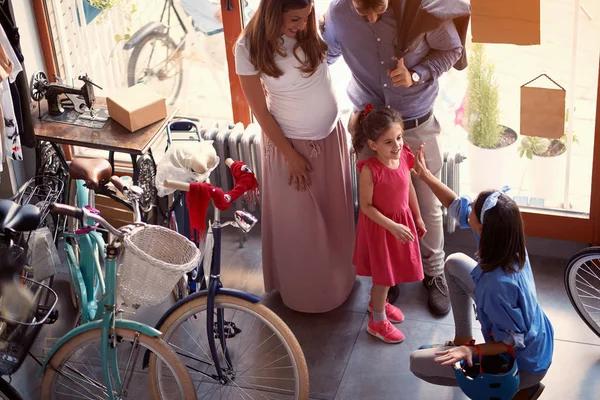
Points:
x=12 y=147
x=20 y=88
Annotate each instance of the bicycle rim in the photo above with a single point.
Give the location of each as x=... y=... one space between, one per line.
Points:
x=75 y=370
x=582 y=282
x=154 y=63
x=266 y=358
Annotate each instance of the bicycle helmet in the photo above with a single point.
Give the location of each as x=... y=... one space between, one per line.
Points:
x=490 y=377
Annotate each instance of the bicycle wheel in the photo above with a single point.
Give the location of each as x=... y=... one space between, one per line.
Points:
x=157 y=62
x=271 y=363
x=582 y=281
x=75 y=370
x=7 y=392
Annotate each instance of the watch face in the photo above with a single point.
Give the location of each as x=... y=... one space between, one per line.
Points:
x=416 y=77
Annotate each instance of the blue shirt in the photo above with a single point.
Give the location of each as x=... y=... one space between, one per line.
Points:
x=507 y=308
x=368 y=50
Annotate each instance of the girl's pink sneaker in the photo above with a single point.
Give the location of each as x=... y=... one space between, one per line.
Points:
x=385 y=331
x=393 y=313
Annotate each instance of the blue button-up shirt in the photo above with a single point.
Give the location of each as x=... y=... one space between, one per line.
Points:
x=368 y=49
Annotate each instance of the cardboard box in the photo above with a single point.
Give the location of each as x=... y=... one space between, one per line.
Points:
x=136 y=107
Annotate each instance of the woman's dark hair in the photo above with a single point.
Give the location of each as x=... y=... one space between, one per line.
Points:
x=502 y=241
x=372 y=125
x=263 y=37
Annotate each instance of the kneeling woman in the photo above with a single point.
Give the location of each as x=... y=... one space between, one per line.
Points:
x=501 y=283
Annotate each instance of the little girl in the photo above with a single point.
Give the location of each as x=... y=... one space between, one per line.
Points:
x=501 y=284
x=390 y=221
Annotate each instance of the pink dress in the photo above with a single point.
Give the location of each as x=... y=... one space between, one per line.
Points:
x=377 y=253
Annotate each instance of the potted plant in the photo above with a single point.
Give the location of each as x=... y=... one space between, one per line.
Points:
x=93 y=8
x=548 y=166
x=490 y=143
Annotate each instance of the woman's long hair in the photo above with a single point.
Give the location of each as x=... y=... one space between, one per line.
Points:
x=502 y=241
x=263 y=37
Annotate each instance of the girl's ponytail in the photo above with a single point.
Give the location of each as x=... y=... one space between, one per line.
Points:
x=360 y=133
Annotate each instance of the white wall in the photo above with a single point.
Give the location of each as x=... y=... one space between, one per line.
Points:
x=30 y=42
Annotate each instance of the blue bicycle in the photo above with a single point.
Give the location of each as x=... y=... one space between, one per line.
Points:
x=232 y=345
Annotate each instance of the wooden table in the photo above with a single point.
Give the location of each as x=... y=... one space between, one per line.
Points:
x=113 y=137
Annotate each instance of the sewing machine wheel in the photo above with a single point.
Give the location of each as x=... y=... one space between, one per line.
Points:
x=146 y=176
x=37 y=86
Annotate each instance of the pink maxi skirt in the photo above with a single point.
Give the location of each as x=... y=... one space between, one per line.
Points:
x=308 y=237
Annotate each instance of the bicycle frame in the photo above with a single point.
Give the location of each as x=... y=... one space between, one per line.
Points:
x=215 y=287
x=106 y=320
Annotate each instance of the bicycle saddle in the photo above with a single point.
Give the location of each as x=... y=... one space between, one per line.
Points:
x=94 y=171
x=18 y=218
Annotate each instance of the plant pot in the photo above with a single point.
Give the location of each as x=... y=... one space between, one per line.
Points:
x=547 y=178
x=90 y=11
x=493 y=168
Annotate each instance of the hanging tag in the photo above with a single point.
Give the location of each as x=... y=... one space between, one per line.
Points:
x=543 y=110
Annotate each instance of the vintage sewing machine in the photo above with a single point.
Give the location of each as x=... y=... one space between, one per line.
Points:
x=76 y=108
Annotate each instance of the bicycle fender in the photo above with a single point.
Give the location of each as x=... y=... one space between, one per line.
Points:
x=203 y=293
x=119 y=323
x=146 y=30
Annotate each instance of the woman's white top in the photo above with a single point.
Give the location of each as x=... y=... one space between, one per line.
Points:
x=304 y=106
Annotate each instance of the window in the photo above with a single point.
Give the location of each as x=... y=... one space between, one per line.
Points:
x=175 y=47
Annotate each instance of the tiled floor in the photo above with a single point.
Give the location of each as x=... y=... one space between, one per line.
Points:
x=347 y=363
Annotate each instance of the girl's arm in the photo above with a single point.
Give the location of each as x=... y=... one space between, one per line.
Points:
x=444 y=194
x=455 y=354
x=416 y=211
x=366 y=206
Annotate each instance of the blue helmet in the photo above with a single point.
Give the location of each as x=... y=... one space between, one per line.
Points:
x=497 y=378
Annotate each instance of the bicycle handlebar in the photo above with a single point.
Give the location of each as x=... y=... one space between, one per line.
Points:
x=84 y=214
x=184 y=186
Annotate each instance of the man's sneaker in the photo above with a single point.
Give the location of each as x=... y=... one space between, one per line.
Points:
x=438 y=299
x=385 y=331
x=393 y=313
x=393 y=293
x=449 y=343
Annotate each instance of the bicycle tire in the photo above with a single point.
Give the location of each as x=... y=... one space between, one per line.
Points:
x=133 y=60
x=7 y=392
x=188 y=310
x=49 y=379
x=573 y=266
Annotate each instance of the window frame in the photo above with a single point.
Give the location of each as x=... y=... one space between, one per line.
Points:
x=537 y=223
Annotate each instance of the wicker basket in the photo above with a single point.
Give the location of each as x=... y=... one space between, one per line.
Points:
x=155 y=258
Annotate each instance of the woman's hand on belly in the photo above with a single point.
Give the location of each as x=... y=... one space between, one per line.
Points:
x=298 y=169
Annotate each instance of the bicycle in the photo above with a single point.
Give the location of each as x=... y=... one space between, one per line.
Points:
x=218 y=320
x=177 y=217
x=164 y=73
x=26 y=303
x=109 y=330
x=582 y=282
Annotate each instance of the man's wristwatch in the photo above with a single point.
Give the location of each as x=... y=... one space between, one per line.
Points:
x=415 y=77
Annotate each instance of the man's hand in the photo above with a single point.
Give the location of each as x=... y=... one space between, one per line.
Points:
x=401 y=76
x=322 y=22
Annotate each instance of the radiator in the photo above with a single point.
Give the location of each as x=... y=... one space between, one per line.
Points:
x=450 y=176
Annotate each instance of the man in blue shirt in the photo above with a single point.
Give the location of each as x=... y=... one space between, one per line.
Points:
x=365 y=32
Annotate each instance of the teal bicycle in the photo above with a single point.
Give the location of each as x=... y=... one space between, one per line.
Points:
x=103 y=357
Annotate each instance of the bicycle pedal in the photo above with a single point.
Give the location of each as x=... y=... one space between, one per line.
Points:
x=230 y=330
x=52 y=316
